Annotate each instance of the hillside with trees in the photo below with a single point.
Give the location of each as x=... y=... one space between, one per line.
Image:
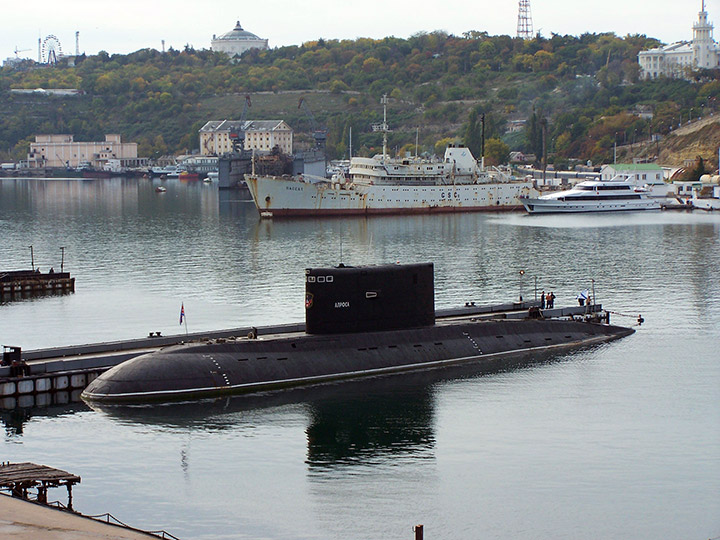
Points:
x=583 y=93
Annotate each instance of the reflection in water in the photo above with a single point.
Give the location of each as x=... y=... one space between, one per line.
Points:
x=138 y=255
x=351 y=422
x=395 y=417
x=15 y=419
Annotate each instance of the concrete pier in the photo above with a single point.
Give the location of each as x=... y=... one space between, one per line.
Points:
x=59 y=375
x=24 y=520
x=27 y=283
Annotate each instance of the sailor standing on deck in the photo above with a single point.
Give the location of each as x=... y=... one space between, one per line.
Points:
x=583 y=297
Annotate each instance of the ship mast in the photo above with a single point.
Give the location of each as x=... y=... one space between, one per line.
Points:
x=383 y=127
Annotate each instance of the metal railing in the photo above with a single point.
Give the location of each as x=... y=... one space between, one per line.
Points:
x=112 y=520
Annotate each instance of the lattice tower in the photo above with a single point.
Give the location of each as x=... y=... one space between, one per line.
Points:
x=524 y=24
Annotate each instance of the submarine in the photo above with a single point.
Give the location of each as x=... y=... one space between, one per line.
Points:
x=360 y=321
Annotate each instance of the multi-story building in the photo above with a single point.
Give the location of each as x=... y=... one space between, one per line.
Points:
x=676 y=59
x=63 y=151
x=237 y=41
x=217 y=137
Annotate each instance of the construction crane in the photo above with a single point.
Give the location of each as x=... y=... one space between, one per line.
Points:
x=20 y=50
x=319 y=133
x=238 y=138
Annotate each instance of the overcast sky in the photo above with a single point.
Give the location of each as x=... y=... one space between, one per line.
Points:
x=125 y=26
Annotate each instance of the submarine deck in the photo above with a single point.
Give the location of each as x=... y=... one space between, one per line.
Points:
x=224 y=366
x=104 y=355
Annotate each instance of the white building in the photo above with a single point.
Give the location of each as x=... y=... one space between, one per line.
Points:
x=217 y=136
x=637 y=173
x=644 y=175
x=63 y=151
x=676 y=59
x=237 y=41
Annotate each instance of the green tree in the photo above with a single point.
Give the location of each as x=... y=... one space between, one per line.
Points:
x=496 y=152
x=473 y=132
x=697 y=171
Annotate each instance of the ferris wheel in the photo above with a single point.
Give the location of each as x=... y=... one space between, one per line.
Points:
x=51 y=50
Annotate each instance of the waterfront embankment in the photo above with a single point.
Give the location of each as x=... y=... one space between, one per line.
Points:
x=26 y=520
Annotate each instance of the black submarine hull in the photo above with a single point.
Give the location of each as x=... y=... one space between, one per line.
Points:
x=197 y=370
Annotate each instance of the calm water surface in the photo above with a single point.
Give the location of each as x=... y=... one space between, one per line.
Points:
x=617 y=441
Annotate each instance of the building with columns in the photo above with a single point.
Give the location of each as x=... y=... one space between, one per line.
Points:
x=217 y=136
x=676 y=59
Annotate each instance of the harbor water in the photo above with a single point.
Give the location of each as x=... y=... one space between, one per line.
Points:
x=615 y=441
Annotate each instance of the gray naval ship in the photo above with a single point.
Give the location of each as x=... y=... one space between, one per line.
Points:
x=359 y=322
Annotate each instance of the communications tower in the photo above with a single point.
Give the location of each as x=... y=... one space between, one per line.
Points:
x=524 y=24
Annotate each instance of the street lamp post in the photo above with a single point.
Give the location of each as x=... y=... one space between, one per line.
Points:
x=522 y=274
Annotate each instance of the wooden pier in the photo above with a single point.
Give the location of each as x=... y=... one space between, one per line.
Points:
x=20 y=478
x=36 y=518
x=30 y=283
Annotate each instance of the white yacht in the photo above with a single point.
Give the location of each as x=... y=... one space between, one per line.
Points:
x=594 y=196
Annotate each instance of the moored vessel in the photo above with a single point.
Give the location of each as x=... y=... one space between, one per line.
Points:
x=168 y=171
x=593 y=196
x=385 y=185
x=707 y=195
x=360 y=321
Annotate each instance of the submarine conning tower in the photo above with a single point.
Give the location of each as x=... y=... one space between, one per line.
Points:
x=369 y=298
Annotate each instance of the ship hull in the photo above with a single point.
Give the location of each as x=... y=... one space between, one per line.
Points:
x=545 y=206
x=251 y=365
x=280 y=197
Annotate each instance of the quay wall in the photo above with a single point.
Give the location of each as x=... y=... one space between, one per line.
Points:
x=60 y=374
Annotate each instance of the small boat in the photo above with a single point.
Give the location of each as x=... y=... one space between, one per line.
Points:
x=188 y=175
x=160 y=189
x=594 y=196
x=169 y=171
x=708 y=196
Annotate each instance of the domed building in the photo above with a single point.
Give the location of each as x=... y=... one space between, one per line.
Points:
x=237 y=41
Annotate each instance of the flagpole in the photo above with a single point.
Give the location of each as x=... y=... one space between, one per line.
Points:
x=183 y=317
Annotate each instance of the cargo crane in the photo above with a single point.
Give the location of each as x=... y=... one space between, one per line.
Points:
x=238 y=138
x=319 y=133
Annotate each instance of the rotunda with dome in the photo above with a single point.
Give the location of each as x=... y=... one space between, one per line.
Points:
x=237 y=41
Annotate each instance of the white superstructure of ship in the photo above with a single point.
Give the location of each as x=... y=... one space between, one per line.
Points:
x=383 y=185
x=615 y=195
